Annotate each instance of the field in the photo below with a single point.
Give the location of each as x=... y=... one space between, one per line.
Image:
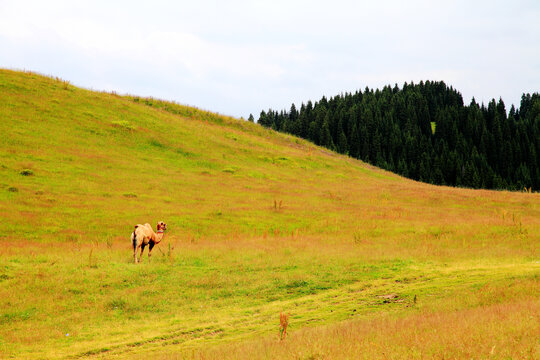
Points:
x=367 y=264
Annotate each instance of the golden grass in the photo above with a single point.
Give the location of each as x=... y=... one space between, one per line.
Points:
x=259 y=223
x=502 y=331
x=492 y=323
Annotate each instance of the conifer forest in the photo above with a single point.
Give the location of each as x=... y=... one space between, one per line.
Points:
x=425 y=132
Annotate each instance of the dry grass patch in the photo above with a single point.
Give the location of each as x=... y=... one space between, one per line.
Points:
x=501 y=330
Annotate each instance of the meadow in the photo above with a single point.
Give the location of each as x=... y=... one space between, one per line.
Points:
x=368 y=264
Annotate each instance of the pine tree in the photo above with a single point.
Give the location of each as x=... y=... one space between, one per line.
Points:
x=355 y=143
x=474 y=145
x=325 y=136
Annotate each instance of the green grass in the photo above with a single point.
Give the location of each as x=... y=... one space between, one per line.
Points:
x=258 y=223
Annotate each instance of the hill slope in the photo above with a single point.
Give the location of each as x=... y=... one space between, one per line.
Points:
x=259 y=223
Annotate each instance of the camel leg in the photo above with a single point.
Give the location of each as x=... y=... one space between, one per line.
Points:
x=134 y=244
x=135 y=253
x=150 y=247
x=143 y=245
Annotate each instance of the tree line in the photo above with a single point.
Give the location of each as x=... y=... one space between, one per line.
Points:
x=425 y=132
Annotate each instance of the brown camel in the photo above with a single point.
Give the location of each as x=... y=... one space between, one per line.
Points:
x=144 y=235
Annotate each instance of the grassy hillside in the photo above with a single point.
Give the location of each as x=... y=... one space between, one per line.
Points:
x=259 y=223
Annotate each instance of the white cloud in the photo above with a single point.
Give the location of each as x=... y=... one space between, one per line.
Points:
x=238 y=57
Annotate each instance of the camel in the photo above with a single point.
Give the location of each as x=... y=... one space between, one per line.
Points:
x=144 y=235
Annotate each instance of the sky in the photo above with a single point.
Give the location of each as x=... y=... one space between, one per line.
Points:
x=239 y=57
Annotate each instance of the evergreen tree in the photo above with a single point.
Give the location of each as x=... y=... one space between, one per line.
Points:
x=325 y=136
x=355 y=143
x=473 y=146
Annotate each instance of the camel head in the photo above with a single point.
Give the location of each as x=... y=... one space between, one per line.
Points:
x=161 y=226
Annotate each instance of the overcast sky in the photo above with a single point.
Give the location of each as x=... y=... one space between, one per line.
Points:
x=238 y=57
